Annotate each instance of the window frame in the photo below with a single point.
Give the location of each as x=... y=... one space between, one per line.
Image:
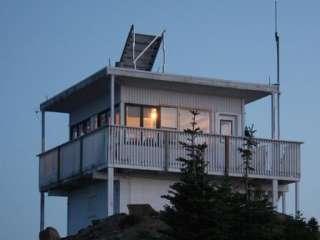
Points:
x=177 y=117
x=234 y=117
x=142 y=106
x=98 y=114
x=198 y=109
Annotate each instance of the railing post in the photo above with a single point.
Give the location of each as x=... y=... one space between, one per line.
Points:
x=226 y=155
x=166 y=151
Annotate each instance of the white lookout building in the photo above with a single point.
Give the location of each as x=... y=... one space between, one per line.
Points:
x=125 y=126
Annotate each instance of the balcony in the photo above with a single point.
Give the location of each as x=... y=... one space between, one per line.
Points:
x=157 y=150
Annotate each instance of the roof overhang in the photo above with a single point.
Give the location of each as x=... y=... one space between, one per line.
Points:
x=212 y=86
x=80 y=93
x=97 y=84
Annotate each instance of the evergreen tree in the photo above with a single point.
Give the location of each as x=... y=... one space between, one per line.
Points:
x=246 y=153
x=313 y=227
x=193 y=213
x=255 y=214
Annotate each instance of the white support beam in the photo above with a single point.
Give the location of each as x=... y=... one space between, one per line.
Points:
x=110 y=180
x=243 y=116
x=122 y=114
x=273 y=116
x=42 y=206
x=43 y=131
x=163 y=53
x=284 y=203
x=110 y=190
x=112 y=99
x=297 y=197
x=43 y=148
x=275 y=193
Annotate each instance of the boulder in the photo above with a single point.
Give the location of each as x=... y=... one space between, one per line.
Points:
x=142 y=210
x=49 y=233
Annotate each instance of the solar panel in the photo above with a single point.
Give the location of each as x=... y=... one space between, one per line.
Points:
x=145 y=47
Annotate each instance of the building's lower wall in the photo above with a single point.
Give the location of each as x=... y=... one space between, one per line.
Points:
x=90 y=202
x=143 y=189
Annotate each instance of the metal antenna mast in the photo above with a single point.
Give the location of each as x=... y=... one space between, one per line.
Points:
x=277 y=38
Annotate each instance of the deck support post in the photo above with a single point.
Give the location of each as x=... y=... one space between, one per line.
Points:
x=110 y=168
x=110 y=190
x=42 y=206
x=275 y=193
x=284 y=203
x=112 y=99
x=43 y=148
x=297 y=197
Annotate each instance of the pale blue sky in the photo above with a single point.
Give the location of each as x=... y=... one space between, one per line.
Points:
x=45 y=46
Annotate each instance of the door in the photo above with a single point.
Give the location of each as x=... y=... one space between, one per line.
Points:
x=227 y=125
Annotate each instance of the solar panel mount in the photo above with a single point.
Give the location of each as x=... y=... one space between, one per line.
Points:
x=140 y=50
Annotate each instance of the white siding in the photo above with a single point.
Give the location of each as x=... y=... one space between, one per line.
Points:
x=157 y=97
x=143 y=190
x=89 y=203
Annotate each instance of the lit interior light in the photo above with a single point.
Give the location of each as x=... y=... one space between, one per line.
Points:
x=154 y=114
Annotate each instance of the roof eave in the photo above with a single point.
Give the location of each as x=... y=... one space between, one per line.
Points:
x=214 y=82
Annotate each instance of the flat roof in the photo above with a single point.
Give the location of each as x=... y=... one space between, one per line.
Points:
x=96 y=84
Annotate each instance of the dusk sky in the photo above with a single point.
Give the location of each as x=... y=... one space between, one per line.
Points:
x=46 y=46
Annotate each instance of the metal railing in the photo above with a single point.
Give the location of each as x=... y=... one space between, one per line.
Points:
x=158 y=149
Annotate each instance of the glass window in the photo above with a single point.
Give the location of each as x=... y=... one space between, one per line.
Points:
x=150 y=117
x=116 y=116
x=133 y=116
x=185 y=119
x=74 y=132
x=81 y=129
x=169 y=117
x=87 y=125
x=94 y=122
x=102 y=119
x=226 y=127
x=203 y=121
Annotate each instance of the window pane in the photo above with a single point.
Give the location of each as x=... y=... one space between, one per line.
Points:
x=94 y=122
x=150 y=116
x=116 y=116
x=203 y=121
x=74 y=132
x=185 y=119
x=87 y=126
x=226 y=127
x=81 y=129
x=102 y=119
x=133 y=116
x=168 y=117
